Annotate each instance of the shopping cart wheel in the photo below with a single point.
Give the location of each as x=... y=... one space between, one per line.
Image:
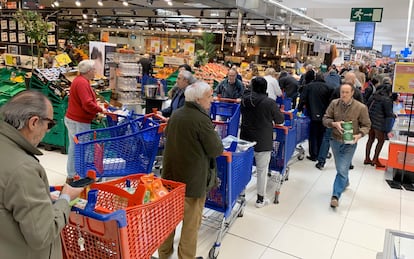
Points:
x=276 y=200
x=301 y=156
x=213 y=253
x=241 y=213
x=286 y=176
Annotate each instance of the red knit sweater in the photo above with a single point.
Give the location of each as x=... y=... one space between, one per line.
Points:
x=82 y=101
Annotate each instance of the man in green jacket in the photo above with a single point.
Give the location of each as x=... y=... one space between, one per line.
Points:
x=192 y=144
x=30 y=222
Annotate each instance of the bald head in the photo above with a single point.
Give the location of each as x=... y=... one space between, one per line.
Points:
x=350 y=78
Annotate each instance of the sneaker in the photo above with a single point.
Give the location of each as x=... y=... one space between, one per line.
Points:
x=334 y=202
x=261 y=204
x=329 y=155
x=319 y=165
x=311 y=158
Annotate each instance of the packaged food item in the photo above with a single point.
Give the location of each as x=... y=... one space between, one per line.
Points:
x=154 y=189
x=348 y=135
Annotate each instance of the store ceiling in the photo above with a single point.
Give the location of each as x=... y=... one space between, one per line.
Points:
x=258 y=17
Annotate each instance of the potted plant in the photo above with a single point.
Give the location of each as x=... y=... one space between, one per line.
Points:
x=206 y=46
x=36 y=28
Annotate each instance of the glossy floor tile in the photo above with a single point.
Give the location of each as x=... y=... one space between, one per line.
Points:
x=303 y=225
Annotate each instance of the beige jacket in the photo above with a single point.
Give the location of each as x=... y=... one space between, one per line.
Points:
x=355 y=111
x=30 y=223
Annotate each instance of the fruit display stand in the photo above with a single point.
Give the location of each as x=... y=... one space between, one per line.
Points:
x=11 y=83
x=56 y=88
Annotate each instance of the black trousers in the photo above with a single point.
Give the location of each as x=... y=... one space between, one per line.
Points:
x=316 y=132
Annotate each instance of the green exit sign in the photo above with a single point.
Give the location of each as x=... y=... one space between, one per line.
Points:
x=366 y=14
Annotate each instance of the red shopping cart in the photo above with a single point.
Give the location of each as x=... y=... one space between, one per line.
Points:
x=114 y=224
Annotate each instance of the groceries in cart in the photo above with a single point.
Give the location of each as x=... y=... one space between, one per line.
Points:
x=234 y=144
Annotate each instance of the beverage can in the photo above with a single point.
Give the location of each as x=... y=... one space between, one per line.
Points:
x=348 y=135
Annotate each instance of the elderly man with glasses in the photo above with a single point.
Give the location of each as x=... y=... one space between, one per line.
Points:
x=30 y=222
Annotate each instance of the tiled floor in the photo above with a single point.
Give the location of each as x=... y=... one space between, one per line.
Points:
x=303 y=225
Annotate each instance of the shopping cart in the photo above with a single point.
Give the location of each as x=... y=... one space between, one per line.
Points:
x=114 y=118
x=120 y=150
x=114 y=224
x=234 y=170
x=284 y=143
x=284 y=102
x=302 y=134
x=225 y=114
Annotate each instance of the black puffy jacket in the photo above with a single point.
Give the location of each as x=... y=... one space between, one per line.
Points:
x=380 y=108
x=259 y=112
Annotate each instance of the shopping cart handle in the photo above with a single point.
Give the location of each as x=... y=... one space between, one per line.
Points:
x=119 y=215
x=227 y=100
x=157 y=116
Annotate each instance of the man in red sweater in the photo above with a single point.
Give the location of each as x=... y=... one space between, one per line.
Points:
x=82 y=109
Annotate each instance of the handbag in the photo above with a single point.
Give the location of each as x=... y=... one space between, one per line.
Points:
x=389 y=123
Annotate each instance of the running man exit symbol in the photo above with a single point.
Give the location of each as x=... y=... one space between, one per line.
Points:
x=366 y=14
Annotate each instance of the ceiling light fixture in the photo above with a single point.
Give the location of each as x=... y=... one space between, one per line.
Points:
x=150 y=2
x=78 y=3
x=100 y=3
x=56 y=3
x=125 y=3
x=308 y=18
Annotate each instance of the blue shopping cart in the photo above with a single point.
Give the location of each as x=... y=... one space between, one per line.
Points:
x=120 y=150
x=234 y=171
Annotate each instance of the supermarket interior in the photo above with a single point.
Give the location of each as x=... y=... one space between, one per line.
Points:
x=141 y=49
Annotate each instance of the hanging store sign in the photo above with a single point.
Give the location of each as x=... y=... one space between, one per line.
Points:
x=366 y=14
x=403 y=78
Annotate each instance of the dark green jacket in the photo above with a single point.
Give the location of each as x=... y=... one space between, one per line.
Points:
x=30 y=223
x=191 y=144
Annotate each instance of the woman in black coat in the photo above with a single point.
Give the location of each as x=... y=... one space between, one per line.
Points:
x=381 y=115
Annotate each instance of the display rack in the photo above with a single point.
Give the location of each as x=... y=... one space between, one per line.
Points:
x=401 y=151
x=126 y=87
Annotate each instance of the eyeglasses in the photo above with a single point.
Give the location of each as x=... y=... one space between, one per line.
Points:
x=50 y=123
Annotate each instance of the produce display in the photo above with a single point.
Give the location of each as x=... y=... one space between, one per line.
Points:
x=211 y=72
x=163 y=73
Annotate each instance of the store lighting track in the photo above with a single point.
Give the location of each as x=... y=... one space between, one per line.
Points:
x=309 y=18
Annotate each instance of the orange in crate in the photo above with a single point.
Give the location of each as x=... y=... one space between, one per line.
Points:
x=114 y=223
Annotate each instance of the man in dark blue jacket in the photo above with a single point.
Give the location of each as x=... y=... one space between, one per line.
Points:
x=184 y=79
x=259 y=113
x=230 y=87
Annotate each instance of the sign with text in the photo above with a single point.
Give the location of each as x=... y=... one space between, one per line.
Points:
x=403 y=78
x=366 y=14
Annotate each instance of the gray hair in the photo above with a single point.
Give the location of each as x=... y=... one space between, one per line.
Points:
x=386 y=80
x=19 y=109
x=196 y=91
x=86 y=65
x=270 y=71
x=188 y=76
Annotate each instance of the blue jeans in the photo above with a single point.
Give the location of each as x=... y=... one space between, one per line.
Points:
x=74 y=128
x=343 y=154
x=324 y=148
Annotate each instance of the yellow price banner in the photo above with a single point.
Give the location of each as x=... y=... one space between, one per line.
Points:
x=62 y=59
x=403 y=78
x=159 y=61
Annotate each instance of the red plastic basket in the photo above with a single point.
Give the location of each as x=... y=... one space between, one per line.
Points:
x=107 y=236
